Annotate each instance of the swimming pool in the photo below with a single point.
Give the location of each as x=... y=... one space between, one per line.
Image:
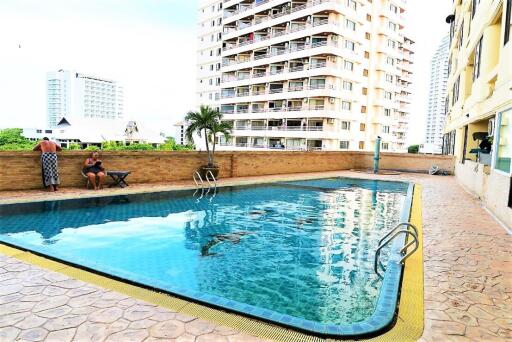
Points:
x=295 y=253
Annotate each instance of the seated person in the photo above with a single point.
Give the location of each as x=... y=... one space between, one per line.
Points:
x=93 y=169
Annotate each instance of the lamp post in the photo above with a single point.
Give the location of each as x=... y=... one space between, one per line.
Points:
x=376 y=155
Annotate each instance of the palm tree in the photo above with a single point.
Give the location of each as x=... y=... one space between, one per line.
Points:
x=207 y=122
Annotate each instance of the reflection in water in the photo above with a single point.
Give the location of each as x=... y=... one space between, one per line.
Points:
x=304 y=250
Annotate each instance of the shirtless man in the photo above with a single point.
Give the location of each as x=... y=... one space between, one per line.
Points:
x=49 y=166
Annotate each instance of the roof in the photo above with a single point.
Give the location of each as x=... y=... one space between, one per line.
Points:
x=101 y=130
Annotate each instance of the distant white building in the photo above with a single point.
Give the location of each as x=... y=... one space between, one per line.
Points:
x=179 y=135
x=436 y=109
x=86 y=132
x=74 y=95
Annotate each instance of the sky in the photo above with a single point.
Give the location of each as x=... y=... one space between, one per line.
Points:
x=149 y=47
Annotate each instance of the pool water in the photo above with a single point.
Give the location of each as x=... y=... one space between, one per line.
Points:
x=302 y=249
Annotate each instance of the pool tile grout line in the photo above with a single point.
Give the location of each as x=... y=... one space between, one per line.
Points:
x=248 y=324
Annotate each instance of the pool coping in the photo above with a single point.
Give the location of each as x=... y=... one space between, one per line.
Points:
x=383 y=316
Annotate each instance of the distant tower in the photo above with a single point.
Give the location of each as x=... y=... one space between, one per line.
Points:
x=71 y=94
x=436 y=109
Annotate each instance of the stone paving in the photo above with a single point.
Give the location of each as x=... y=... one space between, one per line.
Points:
x=37 y=305
x=468 y=285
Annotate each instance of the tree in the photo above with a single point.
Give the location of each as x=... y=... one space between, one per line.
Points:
x=413 y=149
x=12 y=140
x=207 y=122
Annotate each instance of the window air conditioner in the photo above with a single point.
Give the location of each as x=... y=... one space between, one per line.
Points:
x=332 y=100
x=330 y=121
x=305 y=100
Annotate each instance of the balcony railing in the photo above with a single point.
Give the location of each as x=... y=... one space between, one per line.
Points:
x=276 y=15
x=278 y=34
x=281 y=52
x=281 y=128
x=277 y=109
x=276 y=72
x=229 y=95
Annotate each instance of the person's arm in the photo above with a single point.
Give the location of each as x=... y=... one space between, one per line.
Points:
x=37 y=147
x=58 y=147
x=88 y=162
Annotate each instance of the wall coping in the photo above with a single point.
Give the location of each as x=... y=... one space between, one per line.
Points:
x=221 y=153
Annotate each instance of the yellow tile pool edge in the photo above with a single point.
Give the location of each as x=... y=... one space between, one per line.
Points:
x=408 y=327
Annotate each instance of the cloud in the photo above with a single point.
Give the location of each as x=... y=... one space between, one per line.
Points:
x=152 y=59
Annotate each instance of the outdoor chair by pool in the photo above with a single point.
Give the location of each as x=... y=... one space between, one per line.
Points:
x=87 y=181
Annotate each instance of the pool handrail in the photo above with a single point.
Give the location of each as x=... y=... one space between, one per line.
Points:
x=382 y=244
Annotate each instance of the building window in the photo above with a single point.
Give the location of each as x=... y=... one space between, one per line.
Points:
x=352 y=4
x=502 y=142
x=387 y=95
x=363 y=109
x=508 y=12
x=350 y=24
x=385 y=146
x=393 y=8
x=364 y=91
x=391 y=43
x=361 y=145
x=345 y=105
x=350 y=45
x=349 y=65
x=368 y=17
x=347 y=85
x=389 y=78
x=365 y=72
x=477 y=59
x=390 y=60
x=345 y=125
x=367 y=35
x=387 y=112
x=344 y=145
x=39 y=131
x=392 y=26
x=455 y=91
x=385 y=129
x=366 y=54
x=362 y=127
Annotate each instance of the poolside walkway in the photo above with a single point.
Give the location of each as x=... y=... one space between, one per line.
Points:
x=468 y=281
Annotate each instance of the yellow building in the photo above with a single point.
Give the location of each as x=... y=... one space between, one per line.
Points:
x=479 y=103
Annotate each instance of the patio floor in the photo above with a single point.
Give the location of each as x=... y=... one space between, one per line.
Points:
x=468 y=280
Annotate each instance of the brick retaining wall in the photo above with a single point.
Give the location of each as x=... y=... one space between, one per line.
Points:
x=21 y=170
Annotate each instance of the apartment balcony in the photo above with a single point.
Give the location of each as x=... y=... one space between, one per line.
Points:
x=258 y=23
x=311 y=132
x=280 y=94
x=282 y=55
x=313 y=111
x=404 y=98
x=273 y=143
x=307 y=30
x=383 y=47
x=406 y=66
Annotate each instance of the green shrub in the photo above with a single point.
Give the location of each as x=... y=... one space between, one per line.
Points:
x=413 y=149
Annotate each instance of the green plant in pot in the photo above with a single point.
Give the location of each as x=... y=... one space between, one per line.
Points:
x=207 y=122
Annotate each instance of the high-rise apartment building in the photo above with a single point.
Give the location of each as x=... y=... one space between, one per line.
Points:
x=436 y=107
x=309 y=74
x=74 y=95
x=479 y=117
x=209 y=59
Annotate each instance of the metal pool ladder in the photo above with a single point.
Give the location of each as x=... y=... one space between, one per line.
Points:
x=198 y=180
x=406 y=228
x=200 y=184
